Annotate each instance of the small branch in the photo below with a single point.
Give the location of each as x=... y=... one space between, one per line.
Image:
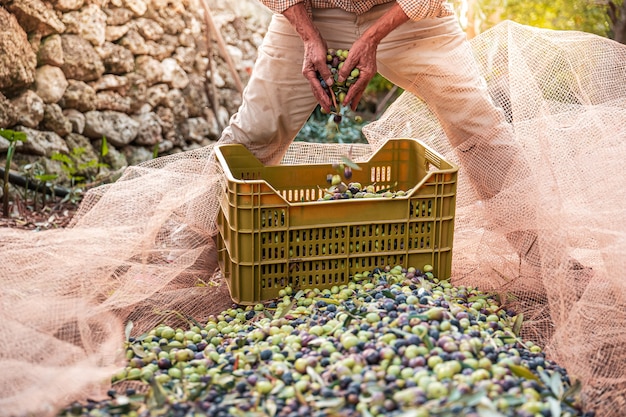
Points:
x=383 y=104
x=222 y=45
x=211 y=87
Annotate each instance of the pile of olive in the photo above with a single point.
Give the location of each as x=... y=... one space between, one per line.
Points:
x=393 y=341
x=339 y=190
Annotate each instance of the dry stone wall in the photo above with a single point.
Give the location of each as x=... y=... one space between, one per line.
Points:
x=140 y=73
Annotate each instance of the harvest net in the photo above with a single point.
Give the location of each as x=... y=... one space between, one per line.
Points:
x=141 y=250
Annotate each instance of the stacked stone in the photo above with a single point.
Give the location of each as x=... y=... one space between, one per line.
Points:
x=136 y=72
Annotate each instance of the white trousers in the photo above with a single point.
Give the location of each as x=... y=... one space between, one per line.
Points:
x=430 y=58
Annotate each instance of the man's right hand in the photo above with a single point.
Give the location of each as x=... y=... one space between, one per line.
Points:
x=315 y=50
x=314 y=67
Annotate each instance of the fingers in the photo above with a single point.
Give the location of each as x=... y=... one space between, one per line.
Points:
x=325 y=74
x=355 y=92
x=357 y=82
x=317 y=72
x=317 y=87
x=356 y=72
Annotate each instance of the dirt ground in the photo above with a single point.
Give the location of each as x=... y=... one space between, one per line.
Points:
x=54 y=215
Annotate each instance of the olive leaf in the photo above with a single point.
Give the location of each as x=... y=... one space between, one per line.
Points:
x=488 y=412
x=138 y=350
x=523 y=372
x=336 y=402
x=427 y=342
x=486 y=408
x=347 y=161
x=555 y=406
x=384 y=190
x=315 y=376
x=278 y=387
x=366 y=413
x=120 y=409
x=517 y=324
x=474 y=398
x=553 y=382
x=399 y=332
x=573 y=390
x=556 y=385
x=389 y=294
x=156 y=395
x=270 y=407
x=128 y=330
x=225 y=380
x=454 y=395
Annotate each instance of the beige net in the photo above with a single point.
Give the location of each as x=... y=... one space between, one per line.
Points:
x=142 y=249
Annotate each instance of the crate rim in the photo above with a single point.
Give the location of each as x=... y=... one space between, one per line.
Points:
x=409 y=193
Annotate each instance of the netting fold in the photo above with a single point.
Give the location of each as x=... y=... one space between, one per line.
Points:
x=142 y=249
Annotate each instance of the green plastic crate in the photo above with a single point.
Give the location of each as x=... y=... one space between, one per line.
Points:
x=274 y=233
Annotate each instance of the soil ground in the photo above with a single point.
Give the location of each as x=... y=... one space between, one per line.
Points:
x=54 y=215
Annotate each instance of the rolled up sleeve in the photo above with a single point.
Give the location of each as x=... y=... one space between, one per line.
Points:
x=425 y=9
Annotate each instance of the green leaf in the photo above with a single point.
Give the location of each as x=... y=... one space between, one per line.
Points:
x=278 y=387
x=315 y=376
x=128 y=329
x=488 y=412
x=270 y=407
x=517 y=324
x=225 y=380
x=285 y=310
x=455 y=395
x=138 y=351
x=20 y=136
x=347 y=161
x=545 y=378
x=156 y=395
x=555 y=406
x=573 y=390
x=523 y=372
x=78 y=151
x=486 y=408
x=13 y=136
x=104 y=148
x=46 y=177
x=474 y=398
x=336 y=402
x=556 y=386
x=62 y=158
x=388 y=294
x=7 y=134
x=427 y=342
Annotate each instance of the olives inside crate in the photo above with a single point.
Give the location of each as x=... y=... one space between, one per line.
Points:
x=275 y=232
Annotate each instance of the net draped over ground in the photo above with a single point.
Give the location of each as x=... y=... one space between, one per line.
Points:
x=141 y=250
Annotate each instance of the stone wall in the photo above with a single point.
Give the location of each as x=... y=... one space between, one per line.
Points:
x=136 y=72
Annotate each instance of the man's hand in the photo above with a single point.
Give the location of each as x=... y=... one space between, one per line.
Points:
x=362 y=56
x=363 y=53
x=315 y=49
x=315 y=64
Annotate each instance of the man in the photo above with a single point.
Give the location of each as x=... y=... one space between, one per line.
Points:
x=416 y=44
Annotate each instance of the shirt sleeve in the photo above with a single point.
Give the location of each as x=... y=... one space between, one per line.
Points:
x=425 y=9
x=279 y=6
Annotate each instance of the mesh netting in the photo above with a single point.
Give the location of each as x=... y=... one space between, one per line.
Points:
x=142 y=249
